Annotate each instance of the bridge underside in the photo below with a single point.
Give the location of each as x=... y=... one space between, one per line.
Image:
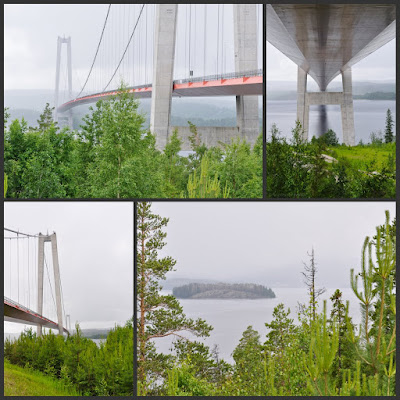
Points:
x=325 y=40
x=22 y=315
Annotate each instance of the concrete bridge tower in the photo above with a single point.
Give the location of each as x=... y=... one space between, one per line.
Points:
x=57 y=280
x=66 y=119
x=245 y=36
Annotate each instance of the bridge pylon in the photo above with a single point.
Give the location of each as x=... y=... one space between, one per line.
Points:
x=65 y=119
x=57 y=280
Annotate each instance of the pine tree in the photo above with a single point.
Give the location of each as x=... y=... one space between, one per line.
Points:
x=158 y=315
x=345 y=356
x=376 y=345
x=389 y=127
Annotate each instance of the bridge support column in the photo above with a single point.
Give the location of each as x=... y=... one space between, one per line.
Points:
x=347 y=109
x=163 y=70
x=303 y=107
x=57 y=282
x=245 y=39
x=344 y=99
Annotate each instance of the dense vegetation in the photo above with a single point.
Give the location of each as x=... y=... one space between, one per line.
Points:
x=324 y=169
x=321 y=354
x=78 y=362
x=222 y=291
x=113 y=156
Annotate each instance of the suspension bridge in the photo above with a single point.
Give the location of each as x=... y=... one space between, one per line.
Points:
x=161 y=51
x=29 y=297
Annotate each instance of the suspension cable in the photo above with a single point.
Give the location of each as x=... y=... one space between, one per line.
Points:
x=205 y=39
x=97 y=50
x=126 y=48
x=10 y=269
x=29 y=281
x=190 y=34
x=218 y=41
x=18 y=266
x=48 y=276
x=20 y=233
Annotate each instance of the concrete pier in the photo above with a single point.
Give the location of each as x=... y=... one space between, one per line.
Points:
x=163 y=71
x=245 y=40
x=344 y=99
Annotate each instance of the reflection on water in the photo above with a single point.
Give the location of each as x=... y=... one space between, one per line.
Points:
x=369 y=116
x=322 y=120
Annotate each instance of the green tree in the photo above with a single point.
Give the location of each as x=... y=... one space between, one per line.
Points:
x=45 y=120
x=159 y=315
x=345 y=355
x=389 y=127
x=123 y=161
x=376 y=345
x=201 y=185
x=322 y=353
x=175 y=167
x=249 y=364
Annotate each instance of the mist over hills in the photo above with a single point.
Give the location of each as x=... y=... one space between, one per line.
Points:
x=272 y=278
x=283 y=90
x=210 y=111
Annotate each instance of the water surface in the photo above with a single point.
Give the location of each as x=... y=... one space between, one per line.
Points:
x=369 y=116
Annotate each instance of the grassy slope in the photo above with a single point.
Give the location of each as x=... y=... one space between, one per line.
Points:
x=22 y=382
x=360 y=156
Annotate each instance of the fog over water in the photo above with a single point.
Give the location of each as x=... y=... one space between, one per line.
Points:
x=230 y=318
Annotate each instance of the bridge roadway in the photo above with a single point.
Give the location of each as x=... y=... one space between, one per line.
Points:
x=15 y=312
x=234 y=84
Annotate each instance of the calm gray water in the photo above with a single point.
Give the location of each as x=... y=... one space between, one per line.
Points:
x=230 y=318
x=369 y=116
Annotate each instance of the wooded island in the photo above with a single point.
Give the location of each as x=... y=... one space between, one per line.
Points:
x=223 y=291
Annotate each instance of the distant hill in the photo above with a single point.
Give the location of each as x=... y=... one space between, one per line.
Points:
x=216 y=111
x=376 y=96
x=288 y=90
x=96 y=333
x=223 y=291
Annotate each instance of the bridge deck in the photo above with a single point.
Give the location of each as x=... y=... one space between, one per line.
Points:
x=229 y=85
x=14 y=312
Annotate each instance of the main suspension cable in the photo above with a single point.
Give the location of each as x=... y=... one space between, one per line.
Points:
x=97 y=50
x=126 y=48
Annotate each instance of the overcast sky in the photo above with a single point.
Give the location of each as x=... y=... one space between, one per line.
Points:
x=95 y=245
x=31 y=40
x=267 y=242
